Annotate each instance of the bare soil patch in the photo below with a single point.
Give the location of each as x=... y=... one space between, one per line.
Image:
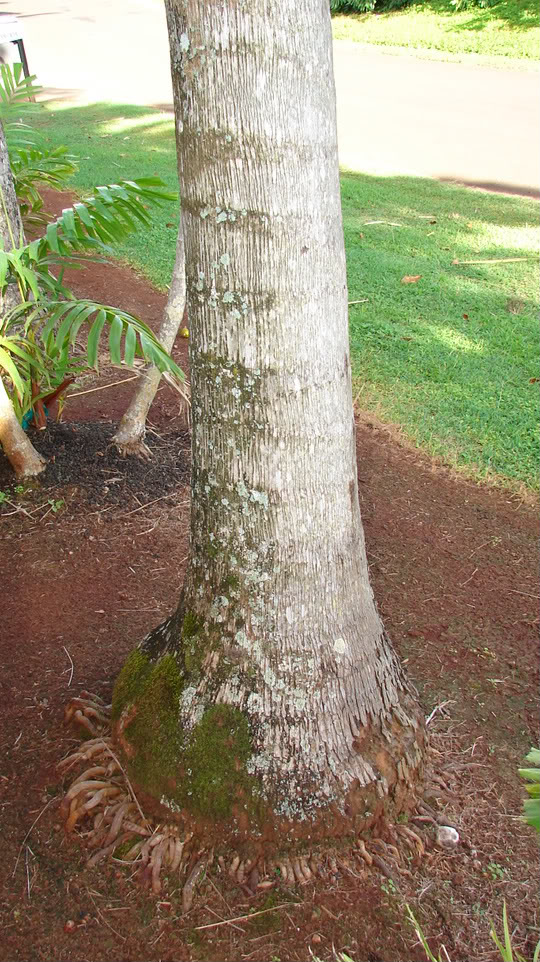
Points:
x=89 y=564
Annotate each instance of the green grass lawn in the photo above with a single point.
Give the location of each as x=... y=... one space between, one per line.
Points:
x=508 y=29
x=114 y=143
x=449 y=358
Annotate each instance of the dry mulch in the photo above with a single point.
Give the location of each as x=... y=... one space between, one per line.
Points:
x=90 y=564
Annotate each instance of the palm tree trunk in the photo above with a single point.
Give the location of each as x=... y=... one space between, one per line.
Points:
x=272 y=704
x=129 y=438
x=19 y=450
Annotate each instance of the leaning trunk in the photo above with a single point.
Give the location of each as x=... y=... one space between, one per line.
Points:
x=272 y=701
x=129 y=438
x=18 y=449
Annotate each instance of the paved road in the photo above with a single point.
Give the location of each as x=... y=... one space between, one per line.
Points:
x=396 y=114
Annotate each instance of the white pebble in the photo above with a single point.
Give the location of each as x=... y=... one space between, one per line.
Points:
x=447 y=837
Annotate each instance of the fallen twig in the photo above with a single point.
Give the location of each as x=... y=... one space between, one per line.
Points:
x=104 y=920
x=389 y=223
x=495 y=260
x=27 y=836
x=103 y=387
x=72 y=667
x=438 y=708
x=463 y=583
x=147 y=505
x=129 y=785
x=243 y=918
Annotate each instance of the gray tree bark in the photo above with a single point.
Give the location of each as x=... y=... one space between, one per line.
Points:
x=276 y=662
x=129 y=438
x=19 y=450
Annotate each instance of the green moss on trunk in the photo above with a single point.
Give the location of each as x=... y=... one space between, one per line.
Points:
x=214 y=761
x=130 y=681
x=202 y=770
x=193 y=647
x=146 y=706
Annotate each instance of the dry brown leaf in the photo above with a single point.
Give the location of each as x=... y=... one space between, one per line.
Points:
x=410 y=278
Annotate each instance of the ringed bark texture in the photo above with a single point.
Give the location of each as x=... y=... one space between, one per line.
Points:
x=276 y=655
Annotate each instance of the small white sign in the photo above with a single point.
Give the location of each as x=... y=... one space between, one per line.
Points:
x=10 y=28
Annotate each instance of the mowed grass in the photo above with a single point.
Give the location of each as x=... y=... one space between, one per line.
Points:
x=510 y=28
x=453 y=356
x=112 y=143
x=450 y=358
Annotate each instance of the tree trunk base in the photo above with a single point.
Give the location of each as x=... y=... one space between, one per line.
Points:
x=19 y=450
x=33 y=466
x=132 y=447
x=103 y=795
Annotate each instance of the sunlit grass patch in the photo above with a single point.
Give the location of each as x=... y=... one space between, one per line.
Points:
x=452 y=357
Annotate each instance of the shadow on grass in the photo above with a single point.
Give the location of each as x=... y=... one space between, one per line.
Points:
x=112 y=135
x=517 y=14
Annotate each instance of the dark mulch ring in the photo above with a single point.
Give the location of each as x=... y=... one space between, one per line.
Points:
x=83 y=455
x=92 y=555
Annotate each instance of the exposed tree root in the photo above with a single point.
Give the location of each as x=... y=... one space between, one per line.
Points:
x=102 y=805
x=133 y=447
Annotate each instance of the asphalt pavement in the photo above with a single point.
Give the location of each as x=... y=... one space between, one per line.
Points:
x=396 y=114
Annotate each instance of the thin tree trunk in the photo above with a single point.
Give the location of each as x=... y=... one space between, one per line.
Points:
x=19 y=450
x=273 y=698
x=11 y=228
x=129 y=438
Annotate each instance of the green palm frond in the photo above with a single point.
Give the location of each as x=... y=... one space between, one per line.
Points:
x=16 y=92
x=22 y=362
x=531 y=806
x=114 y=212
x=58 y=326
x=90 y=227
x=14 y=268
x=128 y=335
x=17 y=106
x=38 y=166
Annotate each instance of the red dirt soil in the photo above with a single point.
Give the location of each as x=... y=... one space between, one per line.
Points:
x=86 y=574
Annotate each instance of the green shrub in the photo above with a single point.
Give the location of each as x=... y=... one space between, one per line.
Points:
x=38 y=336
x=383 y=6
x=366 y=6
x=470 y=4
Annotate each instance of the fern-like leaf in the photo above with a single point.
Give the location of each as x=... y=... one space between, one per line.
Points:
x=34 y=167
x=106 y=218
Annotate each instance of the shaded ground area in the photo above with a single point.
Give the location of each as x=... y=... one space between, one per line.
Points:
x=83 y=457
x=91 y=564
